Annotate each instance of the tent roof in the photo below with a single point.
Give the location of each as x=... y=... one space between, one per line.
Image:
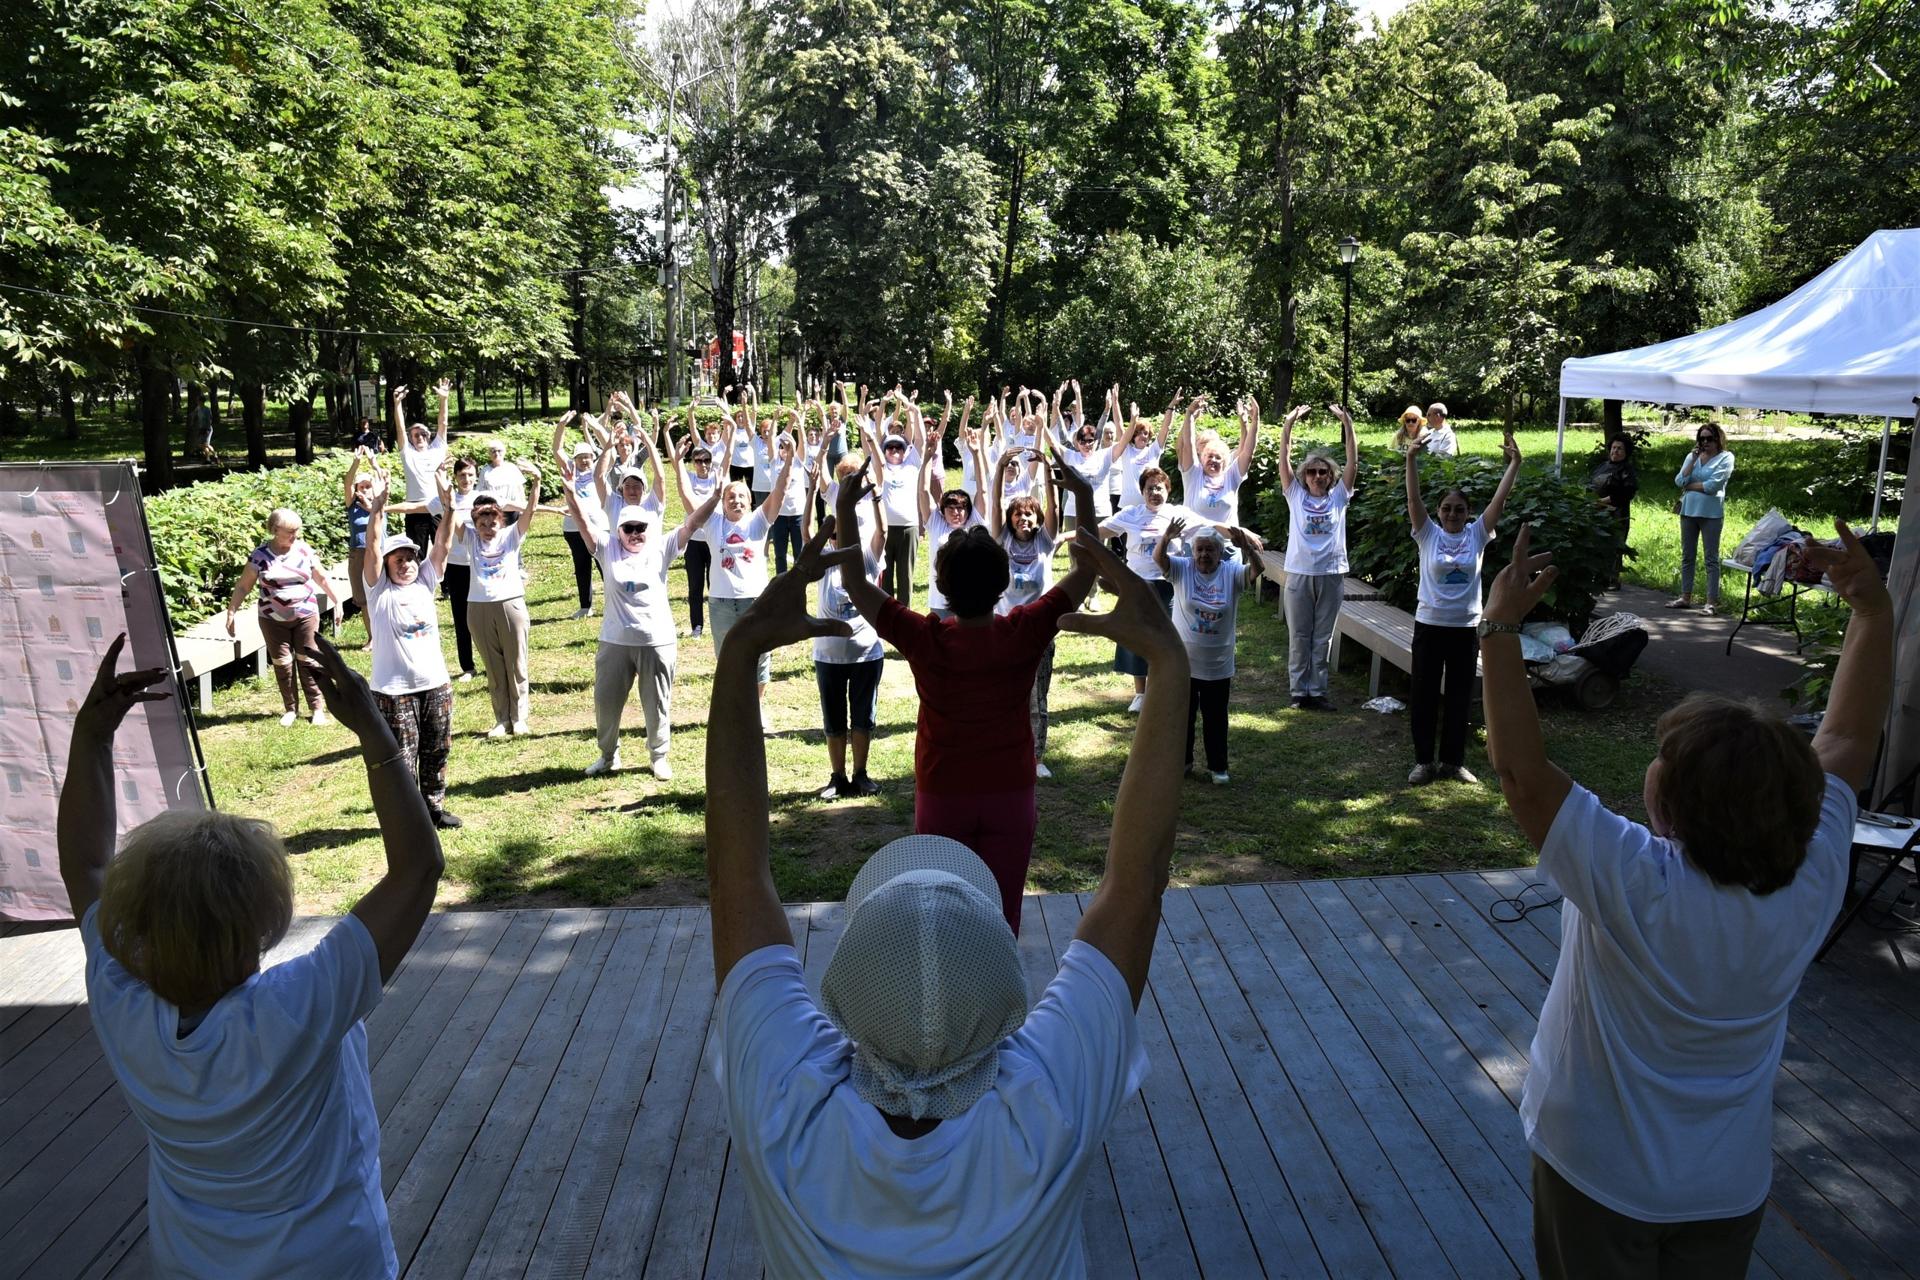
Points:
x=1847 y=341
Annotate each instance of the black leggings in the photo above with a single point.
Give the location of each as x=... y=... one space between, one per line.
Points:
x=1207 y=703
x=896 y=579
x=699 y=558
x=457 y=579
x=1442 y=654
x=849 y=691
x=786 y=532
x=583 y=563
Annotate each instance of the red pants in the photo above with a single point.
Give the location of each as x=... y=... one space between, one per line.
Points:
x=997 y=825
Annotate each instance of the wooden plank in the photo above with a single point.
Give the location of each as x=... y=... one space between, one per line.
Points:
x=33 y=963
x=1886 y=1108
x=64 y=1201
x=1788 y=1251
x=125 y=1255
x=415 y=1038
x=1856 y=1198
x=99 y=1222
x=1487 y=941
x=41 y=1072
x=1464 y=1115
x=479 y=1135
x=56 y=1140
x=425 y=960
x=686 y=1226
x=633 y=1209
x=1832 y=1232
x=1256 y=1176
x=566 y=1240
x=1524 y=937
x=825 y=920
x=514 y=1223
x=1514 y=1020
x=1105 y=1228
x=1530 y=886
x=1880 y=1179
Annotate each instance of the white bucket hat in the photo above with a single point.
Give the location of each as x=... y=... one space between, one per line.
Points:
x=926 y=979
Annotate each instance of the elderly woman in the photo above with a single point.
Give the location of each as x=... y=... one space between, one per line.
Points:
x=1445 y=647
x=848 y=668
x=899 y=459
x=698 y=480
x=737 y=532
x=410 y=684
x=1206 y=609
x=497 y=603
x=359 y=485
x=1648 y=1102
x=291 y=580
x=1615 y=482
x=1027 y=533
x=1702 y=480
x=1141 y=529
x=1316 y=560
x=943 y=512
x=1209 y=481
x=251 y=1085
x=420 y=457
x=1407 y=435
x=1076 y=444
x=579 y=476
x=637 y=640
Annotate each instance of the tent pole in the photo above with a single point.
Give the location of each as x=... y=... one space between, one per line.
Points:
x=1880 y=481
x=1560 y=443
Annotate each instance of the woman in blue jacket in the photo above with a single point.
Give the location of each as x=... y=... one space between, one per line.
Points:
x=1703 y=509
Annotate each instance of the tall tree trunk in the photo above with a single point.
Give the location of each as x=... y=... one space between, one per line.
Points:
x=460 y=399
x=67 y=418
x=996 y=352
x=300 y=422
x=576 y=365
x=253 y=420
x=546 y=397
x=155 y=385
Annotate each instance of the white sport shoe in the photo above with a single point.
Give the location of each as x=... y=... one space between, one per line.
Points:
x=1040 y=770
x=498 y=731
x=520 y=726
x=605 y=764
x=320 y=716
x=662 y=770
x=766 y=724
x=287 y=719
x=466 y=677
x=1139 y=701
x=1220 y=779
x=581 y=613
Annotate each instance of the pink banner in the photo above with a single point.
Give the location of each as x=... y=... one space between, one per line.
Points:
x=76 y=569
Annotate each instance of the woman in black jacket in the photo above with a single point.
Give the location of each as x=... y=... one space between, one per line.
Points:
x=1616 y=481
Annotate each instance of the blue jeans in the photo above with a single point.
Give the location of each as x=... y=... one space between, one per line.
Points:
x=786 y=529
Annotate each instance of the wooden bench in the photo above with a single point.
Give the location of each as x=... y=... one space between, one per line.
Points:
x=205 y=647
x=1387 y=634
x=1273 y=567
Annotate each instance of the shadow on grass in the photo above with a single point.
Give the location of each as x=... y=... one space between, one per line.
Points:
x=316 y=838
x=515 y=783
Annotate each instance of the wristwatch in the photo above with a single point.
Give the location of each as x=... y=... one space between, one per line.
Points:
x=1488 y=627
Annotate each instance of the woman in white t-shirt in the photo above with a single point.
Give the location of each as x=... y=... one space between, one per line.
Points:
x=497 y=605
x=698 y=477
x=848 y=669
x=1206 y=604
x=786 y=536
x=1079 y=447
x=899 y=459
x=410 y=684
x=1028 y=532
x=737 y=532
x=1143 y=528
x=943 y=513
x=637 y=640
x=1445 y=647
x=1316 y=561
x=578 y=476
x=1210 y=479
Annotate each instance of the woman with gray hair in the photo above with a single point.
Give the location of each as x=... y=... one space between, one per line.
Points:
x=1206 y=606
x=291 y=581
x=1316 y=561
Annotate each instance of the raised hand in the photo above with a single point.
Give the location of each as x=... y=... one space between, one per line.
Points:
x=443 y=388
x=347 y=695
x=779 y=616
x=1523 y=583
x=1856 y=579
x=114 y=694
x=1509 y=449
x=1175 y=527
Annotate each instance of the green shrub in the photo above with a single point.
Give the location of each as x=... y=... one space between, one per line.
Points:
x=1565 y=519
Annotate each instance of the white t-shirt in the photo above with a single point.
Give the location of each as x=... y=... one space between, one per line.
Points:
x=587 y=494
x=462 y=507
x=1143 y=527
x=766 y=465
x=743 y=439
x=1450 y=573
x=996 y=1191
x=506 y=483
x=1443 y=443
x=406 y=634
x=1206 y=608
x=1317 y=529
x=1091 y=466
x=1132 y=462
x=1216 y=498
x=418 y=466
x=1650 y=1086
x=739 y=555
x=263 y=1143
x=651 y=507
x=899 y=497
x=793 y=499
x=637 y=612
x=864 y=644
x=700 y=488
x=938 y=531
x=1029 y=566
x=969 y=477
x=497 y=574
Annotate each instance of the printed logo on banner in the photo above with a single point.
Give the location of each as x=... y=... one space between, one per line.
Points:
x=64 y=669
x=95 y=630
x=46 y=583
x=39 y=543
x=29 y=505
x=16 y=781
x=130 y=790
x=77 y=543
x=32 y=857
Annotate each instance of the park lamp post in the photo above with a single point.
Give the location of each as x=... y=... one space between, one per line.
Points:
x=1349 y=252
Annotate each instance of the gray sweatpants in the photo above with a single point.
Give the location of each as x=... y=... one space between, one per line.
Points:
x=615 y=668
x=1313 y=603
x=500 y=634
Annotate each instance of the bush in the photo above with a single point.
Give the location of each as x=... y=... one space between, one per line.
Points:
x=1565 y=519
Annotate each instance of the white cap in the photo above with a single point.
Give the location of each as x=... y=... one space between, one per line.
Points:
x=402 y=543
x=584 y=450
x=926 y=979
x=633 y=473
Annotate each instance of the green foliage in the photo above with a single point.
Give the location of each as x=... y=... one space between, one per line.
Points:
x=1380 y=546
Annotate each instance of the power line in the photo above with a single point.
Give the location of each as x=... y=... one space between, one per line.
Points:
x=212 y=319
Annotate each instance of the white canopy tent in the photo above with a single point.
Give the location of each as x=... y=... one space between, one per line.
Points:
x=1847 y=341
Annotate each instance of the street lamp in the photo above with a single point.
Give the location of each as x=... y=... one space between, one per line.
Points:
x=1349 y=251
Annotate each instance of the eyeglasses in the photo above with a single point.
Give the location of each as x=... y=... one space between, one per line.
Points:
x=633 y=527
x=487 y=513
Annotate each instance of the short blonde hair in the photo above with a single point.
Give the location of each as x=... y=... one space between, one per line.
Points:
x=851 y=463
x=731 y=485
x=1209 y=440
x=193 y=901
x=281 y=517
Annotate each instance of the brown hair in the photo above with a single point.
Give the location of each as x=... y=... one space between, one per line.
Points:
x=193 y=901
x=972 y=572
x=1151 y=475
x=1025 y=502
x=1740 y=789
x=1719 y=436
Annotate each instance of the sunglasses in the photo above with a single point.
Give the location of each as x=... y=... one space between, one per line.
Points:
x=633 y=526
x=1704 y=439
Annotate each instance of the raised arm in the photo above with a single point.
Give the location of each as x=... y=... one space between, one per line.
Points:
x=1185 y=443
x=399 y=394
x=559 y=449
x=771 y=507
x=743 y=904
x=1125 y=912
x=1416 y=505
x=1284 y=465
x=656 y=475
x=88 y=815
x=1534 y=786
x=1175 y=527
x=1351 y=476
x=696 y=520
x=1490 y=518
x=996 y=510
x=353 y=471
x=1250 y=546
x=866 y=597
x=1249 y=436
x=443 y=389
x=588 y=529
x=1849 y=736
x=443 y=533
x=375 y=558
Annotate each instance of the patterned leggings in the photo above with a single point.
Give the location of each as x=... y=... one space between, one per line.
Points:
x=423 y=723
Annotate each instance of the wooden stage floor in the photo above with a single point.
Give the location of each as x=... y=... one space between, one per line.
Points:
x=1336 y=1067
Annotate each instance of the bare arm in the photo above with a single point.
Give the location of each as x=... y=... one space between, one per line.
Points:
x=771 y=507
x=443 y=535
x=1185 y=442
x=372 y=563
x=1849 y=735
x=866 y=597
x=1490 y=518
x=444 y=389
x=1284 y=465
x=1175 y=527
x=1416 y=505
x=1352 y=443
x=1249 y=437
x=996 y=509
x=241 y=590
x=1125 y=912
x=353 y=471
x=399 y=394
x=88 y=815
x=1534 y=786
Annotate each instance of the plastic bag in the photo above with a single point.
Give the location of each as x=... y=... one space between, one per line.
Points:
x=1384 y=705
x=1764 y=534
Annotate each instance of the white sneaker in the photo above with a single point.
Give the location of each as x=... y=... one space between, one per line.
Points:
x=498 y=731
x=605 y=764
x=466 y=677
x=320 y=716
x=1220 y=779
x=520 y=726
x=288 y=719
x=766 y=724
x=662 y=770
x=1040 y=770
x=581 y=613
x=1139 y=701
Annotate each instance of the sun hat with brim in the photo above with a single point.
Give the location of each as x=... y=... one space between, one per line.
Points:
x=926 y=979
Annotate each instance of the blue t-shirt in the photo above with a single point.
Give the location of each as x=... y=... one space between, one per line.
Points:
x=357 y=517
x=262 y=1139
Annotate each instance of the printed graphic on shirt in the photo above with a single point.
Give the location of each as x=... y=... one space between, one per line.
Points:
x=1319 y=517
x=1455 y=559
x=738 y=551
